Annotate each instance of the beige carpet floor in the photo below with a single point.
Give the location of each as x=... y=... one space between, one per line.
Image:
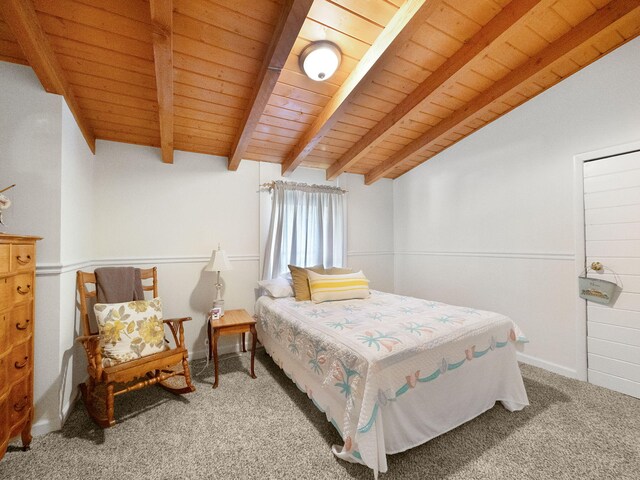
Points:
x=267 y=429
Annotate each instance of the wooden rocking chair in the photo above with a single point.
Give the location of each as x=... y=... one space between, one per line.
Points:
x=169 y=369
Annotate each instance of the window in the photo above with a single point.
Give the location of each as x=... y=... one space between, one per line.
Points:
x=307 y=228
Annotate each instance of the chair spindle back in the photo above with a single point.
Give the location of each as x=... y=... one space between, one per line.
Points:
x=88 y=295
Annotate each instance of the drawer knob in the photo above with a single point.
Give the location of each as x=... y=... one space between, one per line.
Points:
x=19 y=326
x=21 y=365
x=23 y=292
x=22 y=404
x=23 y=260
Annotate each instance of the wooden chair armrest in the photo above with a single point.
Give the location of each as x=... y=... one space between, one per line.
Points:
x=91 y=344
x=170 y=320
x=177 y=329
x=85 y=338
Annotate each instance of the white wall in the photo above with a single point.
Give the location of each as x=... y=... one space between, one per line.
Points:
x=147 y=208
x=76 y=219
x=76 y=227
x=30 y=143
x=489 y=222
x=30 y=148
x=370 y=229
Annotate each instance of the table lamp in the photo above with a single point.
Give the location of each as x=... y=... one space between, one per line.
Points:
x=218 y=263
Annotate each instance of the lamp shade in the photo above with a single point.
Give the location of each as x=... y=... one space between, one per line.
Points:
x=219 y=262
x=320 y=60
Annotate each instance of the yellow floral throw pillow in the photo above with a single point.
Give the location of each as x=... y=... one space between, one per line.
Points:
x=130 y=330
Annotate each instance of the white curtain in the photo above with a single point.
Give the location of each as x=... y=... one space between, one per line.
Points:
x=308 y=227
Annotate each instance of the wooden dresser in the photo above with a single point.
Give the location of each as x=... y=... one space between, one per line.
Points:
x=17 y=284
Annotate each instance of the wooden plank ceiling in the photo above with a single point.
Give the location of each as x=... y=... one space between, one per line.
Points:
x=221 y=77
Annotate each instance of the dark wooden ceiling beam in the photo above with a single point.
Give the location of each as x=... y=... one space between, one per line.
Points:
x=162 y=35
x=22 y=19
x=573 y=39
x=393 y=38
x=293 y=16
x=474 y=47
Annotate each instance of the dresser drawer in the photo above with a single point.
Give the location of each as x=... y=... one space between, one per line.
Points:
x=22 y=287
x=5 y=322
x=19 y=361
x=23 y=257
x=4 y=417
x=6 y=292
x=5 y=263
x=4 y=375
x=19 y=403
x=20 y=323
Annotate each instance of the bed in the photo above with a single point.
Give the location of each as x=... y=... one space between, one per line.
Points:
x=392 y=372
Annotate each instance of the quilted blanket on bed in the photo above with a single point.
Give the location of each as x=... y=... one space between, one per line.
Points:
x=370 y=352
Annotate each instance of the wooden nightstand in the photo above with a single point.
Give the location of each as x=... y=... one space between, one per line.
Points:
x=232 y=322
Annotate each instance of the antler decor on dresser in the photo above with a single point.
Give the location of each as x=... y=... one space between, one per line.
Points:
x=17 y=285
x=5 y=203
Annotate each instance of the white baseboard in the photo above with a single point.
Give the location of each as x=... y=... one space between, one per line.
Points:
x=42 y=427
x=222 y=350
x=552 y=367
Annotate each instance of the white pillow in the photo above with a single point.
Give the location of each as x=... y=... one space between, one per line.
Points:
x=277 y=287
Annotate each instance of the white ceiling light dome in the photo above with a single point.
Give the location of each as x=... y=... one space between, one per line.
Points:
x=319 y=60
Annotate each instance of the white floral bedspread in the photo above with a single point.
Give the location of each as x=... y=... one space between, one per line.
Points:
x=370 y=352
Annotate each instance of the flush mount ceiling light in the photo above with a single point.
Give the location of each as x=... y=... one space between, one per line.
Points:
x=319 y=60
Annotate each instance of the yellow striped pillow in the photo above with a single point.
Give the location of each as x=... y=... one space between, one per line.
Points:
x=325 y=288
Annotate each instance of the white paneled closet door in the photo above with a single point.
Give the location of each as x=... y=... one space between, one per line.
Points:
x=612 y=235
